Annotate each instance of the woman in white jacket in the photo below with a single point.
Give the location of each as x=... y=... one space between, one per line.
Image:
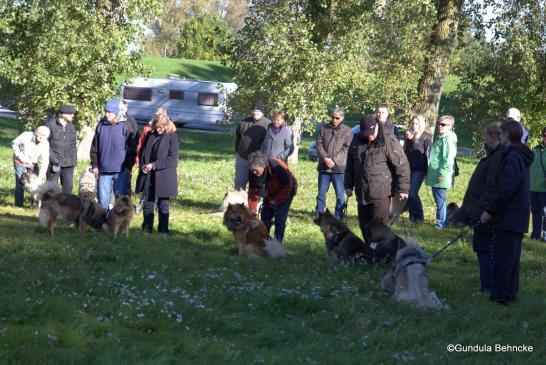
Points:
x=30 y=154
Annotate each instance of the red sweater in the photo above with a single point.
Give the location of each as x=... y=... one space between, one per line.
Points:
x=279 y=184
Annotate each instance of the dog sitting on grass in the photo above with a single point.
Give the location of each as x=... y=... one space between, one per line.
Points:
x=341 y=243
x=250 y=234
x=408 y=280
x=120 y=216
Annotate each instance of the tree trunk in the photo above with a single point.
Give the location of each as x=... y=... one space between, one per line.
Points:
x=442 y=42
x=296 y=130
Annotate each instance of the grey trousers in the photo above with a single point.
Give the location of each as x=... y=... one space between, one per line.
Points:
x=241 y=172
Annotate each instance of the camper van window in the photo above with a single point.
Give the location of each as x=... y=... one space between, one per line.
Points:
x=208 y=99
x=137 y=93
x=176 y=94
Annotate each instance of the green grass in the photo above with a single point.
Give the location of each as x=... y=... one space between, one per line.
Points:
x=190 y=299
x=190 y=69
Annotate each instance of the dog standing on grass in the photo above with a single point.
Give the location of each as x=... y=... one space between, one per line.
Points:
x=120 y=216
x=37 y=188
x=81 y=211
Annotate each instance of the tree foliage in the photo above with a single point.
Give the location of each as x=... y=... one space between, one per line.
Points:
x=204 y=37
x=63 y=51
x=513 y=71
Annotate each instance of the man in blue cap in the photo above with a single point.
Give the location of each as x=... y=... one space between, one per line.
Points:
x=108 y=153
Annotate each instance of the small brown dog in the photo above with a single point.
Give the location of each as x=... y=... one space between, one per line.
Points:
x=120 y=216
x=250 y=234
x=81 y=211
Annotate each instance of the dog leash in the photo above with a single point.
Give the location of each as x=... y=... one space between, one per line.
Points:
x=454 y=240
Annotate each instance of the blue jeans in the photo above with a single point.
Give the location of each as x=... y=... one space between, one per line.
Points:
x=337 y=180
x=109 y=181
x=280 y=214
x=19 y=188
x=414 y=202
x=122 y=186
x=439 y=195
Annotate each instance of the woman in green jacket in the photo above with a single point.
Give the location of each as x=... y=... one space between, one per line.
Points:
x=538 y=190
x=441 y=167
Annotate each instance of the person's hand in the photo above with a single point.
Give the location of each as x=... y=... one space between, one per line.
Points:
x=440 y=179
x=348 y=192
x=409 y=135
x=485 y=218
x=403 y=196
x=329 y=162
x=146 y=168
x=95 y=171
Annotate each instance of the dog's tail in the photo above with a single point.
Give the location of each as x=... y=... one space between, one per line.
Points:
x=274 y=248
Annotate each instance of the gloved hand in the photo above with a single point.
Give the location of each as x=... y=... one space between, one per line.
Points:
x=349 y=192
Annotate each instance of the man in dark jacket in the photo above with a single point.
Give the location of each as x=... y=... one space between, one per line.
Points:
x=333 y=142
x=480 y=192
x=374 y=160
x=249 y=136
x=132 y=143
x=62 y=147
x=509 y=211
x=108 y=153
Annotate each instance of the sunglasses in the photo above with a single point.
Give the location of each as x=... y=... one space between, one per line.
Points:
x=443 y=124
x=336 y=118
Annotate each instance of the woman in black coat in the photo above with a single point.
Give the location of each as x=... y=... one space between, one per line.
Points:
x=157 y=178
x=509 y=211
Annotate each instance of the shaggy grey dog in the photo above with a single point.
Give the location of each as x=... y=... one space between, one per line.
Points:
x=408 y=279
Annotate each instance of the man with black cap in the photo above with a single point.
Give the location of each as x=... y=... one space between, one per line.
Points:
x=62 y=147
x=249 y=137
x=375 y=159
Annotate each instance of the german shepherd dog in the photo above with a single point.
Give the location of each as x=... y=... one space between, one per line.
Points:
x=250 y=234
x=120 y=216
x=408 y=279
x=383 y=241
x=88 y=185
x=71 y=207
x=38 y=188
x=341 y=243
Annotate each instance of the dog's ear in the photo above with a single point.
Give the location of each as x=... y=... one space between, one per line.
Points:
x=317 y=219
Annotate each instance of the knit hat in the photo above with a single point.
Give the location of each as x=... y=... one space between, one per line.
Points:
x=67 y=109
x=112 y=106
x=259 y=105
x=368 y=126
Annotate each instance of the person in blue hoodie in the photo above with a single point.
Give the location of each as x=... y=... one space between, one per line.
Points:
x=509 y=211
x=108 y=153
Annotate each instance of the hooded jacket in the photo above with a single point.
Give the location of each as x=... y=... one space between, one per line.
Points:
x=372 y=168
x=510 y=206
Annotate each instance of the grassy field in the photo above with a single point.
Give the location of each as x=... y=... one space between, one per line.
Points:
x=190 y=69
x=189 y=299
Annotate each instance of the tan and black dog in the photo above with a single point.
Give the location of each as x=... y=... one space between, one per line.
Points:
x=250 y=234
x=120 y=216
x=383 y=240
x=340 y=242
x=81 y=211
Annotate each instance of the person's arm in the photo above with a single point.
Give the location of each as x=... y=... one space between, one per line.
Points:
x=321 y=152
x=43 y=161
x=399 y=164
x=345 y=143
x=52 y=157
x=448 y=155
x=349 y=170
x=253 y=194
x=288 y=146
x=171 y=160
x=286 y=183
x=15 y=146
x=237 y=137
x=94 y=151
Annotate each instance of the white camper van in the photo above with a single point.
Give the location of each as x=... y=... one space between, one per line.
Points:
x=186 y=101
